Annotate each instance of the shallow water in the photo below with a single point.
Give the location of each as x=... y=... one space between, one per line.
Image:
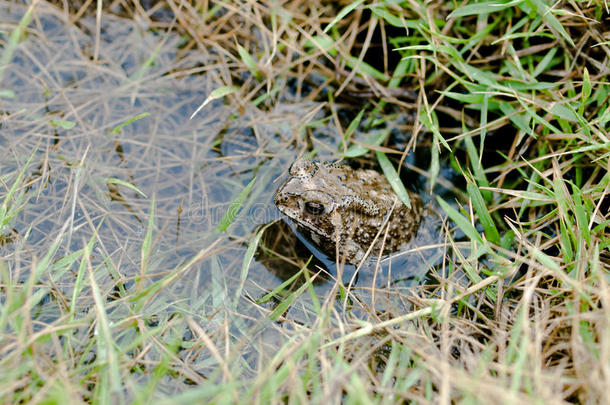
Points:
x=192 y=168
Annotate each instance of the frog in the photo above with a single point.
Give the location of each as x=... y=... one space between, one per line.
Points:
x=348 y=213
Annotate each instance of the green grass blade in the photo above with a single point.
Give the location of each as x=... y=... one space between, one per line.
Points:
x=287 y=302
x=545 y=62
x=6 y=213
x=344 y=11
x=477 y=168
x=13 y=40
x=547 y=15
x=489 y=227
x=277 y=291
x=375 y=139
x=215 y=94
x=118 y=128
x=582 y=217
x=106 y=355
x=86 y=252
x=461 y=221
x=234 y=207
x=354 y=124
x=393 y=178
x=138 y=74
x=63 y=124
x=147 y=242
x=363 y=67
x=248 y=256
x=481 y=8
x=248 y=61
x=114 y=180
x=435 y=163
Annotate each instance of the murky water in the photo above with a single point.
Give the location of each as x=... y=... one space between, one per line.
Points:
x=64 y=109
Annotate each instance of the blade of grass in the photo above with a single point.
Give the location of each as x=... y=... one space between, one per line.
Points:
x=6 y=212
x=277 y=290
x=374 y=139
x=248 y=256
x=8 y=94
x=489 y=227
x=393 y=178
x=462 y=222
x=546 y=13
x=287 y=302
x=147 y=244
x=63 y=124
x=477 y=168
x=581 y=214
x=249 y=62
x=114 y=180
x=106 y=355
x=356 y=64
x=234 y=207
x=544 y=64
x=140 y=299
x=482 y=8
x=430 y=121
x=344 y=11
x=118 y=128
x=13 y=40
x=351 y=128
x=86 y=252
x=215 y=94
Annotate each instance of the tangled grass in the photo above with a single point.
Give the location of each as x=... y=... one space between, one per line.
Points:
x=511 y=96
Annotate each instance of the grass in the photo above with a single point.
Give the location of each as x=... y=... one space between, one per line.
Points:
x=113 y=289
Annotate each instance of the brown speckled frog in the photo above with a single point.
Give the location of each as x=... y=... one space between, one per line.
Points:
x=344 y=208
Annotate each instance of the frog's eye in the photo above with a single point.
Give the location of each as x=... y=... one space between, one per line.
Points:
x=314 y=208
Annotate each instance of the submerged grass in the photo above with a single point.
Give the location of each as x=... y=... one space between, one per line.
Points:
x=514 y=96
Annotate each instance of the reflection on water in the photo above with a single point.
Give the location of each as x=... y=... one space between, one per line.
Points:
x=284 y=250
x=282 y=253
